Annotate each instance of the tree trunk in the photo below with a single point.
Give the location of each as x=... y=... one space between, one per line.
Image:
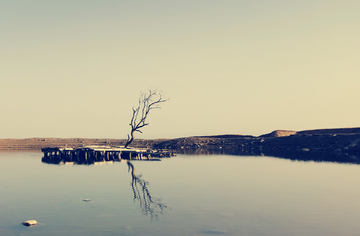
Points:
x=130 y=139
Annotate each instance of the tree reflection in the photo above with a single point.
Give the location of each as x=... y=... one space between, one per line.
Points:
x=149 y=205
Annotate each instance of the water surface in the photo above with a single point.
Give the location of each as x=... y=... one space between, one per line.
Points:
x=200 y=195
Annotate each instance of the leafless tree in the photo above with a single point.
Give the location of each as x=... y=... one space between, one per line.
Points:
x=147 y=102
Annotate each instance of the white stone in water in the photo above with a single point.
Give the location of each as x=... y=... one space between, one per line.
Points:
x=29 y=223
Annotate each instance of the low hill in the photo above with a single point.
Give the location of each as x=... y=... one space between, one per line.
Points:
x=284 y=133
x=226 y=136
x=278 y=133
x=330 y=131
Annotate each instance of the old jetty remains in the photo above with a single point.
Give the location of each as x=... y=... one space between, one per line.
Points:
x=100 y=154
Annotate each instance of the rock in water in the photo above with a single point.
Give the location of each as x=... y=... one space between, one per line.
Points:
x=29 y=223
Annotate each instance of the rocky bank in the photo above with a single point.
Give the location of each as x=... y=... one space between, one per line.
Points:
x=337 y=145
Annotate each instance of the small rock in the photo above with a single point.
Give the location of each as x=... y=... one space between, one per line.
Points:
x=29 y=223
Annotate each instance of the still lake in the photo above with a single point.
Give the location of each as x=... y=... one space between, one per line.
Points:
x=182 y=195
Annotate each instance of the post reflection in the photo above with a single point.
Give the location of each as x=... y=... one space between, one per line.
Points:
x=149 y=205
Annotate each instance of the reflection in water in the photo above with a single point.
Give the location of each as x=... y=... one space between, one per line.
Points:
x=294 y=155
x=218 y=195
x=149 y=205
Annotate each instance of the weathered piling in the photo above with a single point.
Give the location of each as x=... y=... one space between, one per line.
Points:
x=99 y=154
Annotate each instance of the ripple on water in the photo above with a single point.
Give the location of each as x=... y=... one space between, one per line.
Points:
x=214 y=232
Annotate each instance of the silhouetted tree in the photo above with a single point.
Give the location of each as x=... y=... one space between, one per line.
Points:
x=147 y=102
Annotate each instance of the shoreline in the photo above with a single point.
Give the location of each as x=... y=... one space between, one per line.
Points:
x=334 y=145
x=320 y=140
x=39 y=143
x=314 y=139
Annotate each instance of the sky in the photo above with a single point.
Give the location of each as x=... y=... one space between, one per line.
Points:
x=75 y=68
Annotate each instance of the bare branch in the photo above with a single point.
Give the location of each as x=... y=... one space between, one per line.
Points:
x=147 y=102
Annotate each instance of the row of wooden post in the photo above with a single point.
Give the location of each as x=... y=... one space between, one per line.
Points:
x=89 y=155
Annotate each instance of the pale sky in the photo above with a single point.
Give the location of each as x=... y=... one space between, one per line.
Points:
x=75 y=68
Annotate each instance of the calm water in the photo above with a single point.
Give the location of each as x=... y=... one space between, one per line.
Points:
x=184 y=195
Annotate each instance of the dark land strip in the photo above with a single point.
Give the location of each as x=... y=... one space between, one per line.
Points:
x=332 y=145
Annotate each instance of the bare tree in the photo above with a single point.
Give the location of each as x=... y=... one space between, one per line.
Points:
x=147 y=102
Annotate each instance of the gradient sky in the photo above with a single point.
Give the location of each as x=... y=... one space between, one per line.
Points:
x=75 y=68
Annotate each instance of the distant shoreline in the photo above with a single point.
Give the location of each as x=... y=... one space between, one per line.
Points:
x=39 y=143
x=333 y=145
x=320 y=140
